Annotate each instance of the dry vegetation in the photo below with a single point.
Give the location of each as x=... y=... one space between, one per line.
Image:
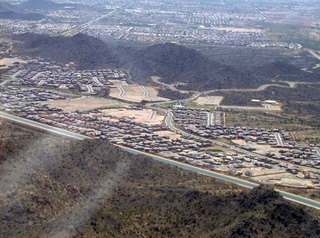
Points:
x=303 y=133
x=57 y=187
x=85 y=104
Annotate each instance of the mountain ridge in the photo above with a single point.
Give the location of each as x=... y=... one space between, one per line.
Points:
x=172 y=62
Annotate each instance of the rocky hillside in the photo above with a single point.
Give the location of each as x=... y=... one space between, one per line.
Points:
x=56 y=187
x=173 y=63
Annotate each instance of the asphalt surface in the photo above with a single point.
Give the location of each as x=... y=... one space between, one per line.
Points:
x=244 y=183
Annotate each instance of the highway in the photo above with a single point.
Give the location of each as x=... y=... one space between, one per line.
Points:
x=243 y=183
x=43 y=126
x=77 y=29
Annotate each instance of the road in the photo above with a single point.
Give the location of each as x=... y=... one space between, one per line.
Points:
x=89 y=87
x=96 y=80
x=171 y=126
x=122 y=91
x=13 y=77
x=77 y=29
x=314 y=54
x=156 y=80
x=264 y=108
x=152 y=115
x=43 y=126
x=278 y=138
x=209 y=99
x=144 y=90
x=243 y=183
x=169 y=123
x=209 y=119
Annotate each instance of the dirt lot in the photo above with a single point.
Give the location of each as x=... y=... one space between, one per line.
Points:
x=135 y=93
x=209 y=100
x=171 y=134
x=9 y=62
x=85 y=103
x=147 y=116
x=238 y=29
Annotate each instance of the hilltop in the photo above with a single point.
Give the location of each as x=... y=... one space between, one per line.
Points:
x=176 y=63
x=52 y=186
x=9 y=11
x=47 y=5
x=88 y=52
x=173 y=63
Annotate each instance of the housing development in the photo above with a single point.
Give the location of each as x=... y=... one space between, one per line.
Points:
x=132 y=116
x=226 y=22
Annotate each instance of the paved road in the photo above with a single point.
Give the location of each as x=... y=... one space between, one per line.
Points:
x=152 y=115
x=77 y=29
x=314 y=54
x=96 y=80
x=278 y=138
x=122 y=91
x=43 y=126
x=209 y=99
x=209 y=119
x=251 y=108
x=144 y=90
x=171 y=126
x=244 y=183
x=156 y=80
x=89 y=87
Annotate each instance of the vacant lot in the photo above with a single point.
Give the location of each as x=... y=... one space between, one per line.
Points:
x=6 y=62
x=209 y=100
x=85 y=104
x=170 y=134
x=135 y=93
x=147 y=116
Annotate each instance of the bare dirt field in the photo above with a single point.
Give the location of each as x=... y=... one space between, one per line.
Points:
x=260 y=149
x=146 y=116
x=117 y=82
x=269 y=108
x=238 y=29
x=6 y=62
x=135 y=93
x=85 y=103
x=171 y=134
x=209 y=100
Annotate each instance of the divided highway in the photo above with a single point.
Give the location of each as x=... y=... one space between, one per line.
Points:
x=244 y=183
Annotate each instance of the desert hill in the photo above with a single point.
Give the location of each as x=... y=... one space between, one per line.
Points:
x=47 y=5
x=9 y=11
x=174 y=63
x=88 y=52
